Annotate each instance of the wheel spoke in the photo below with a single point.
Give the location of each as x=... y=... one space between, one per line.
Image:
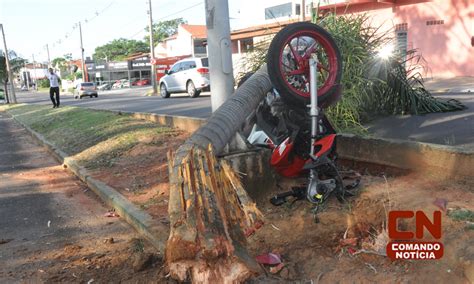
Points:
x=295 y=72
x=296 y=56
x=308 y=50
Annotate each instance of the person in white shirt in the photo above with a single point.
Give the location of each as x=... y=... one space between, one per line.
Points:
x=53 y=87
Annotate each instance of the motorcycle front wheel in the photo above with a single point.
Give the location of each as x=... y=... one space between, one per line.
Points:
x=288 y=64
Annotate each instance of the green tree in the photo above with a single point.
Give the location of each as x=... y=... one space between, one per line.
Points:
x=16 y=63
x=163 y=30
x=61 y=64
x=118 y=49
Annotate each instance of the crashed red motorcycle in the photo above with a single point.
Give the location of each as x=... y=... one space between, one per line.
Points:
x=305 y=68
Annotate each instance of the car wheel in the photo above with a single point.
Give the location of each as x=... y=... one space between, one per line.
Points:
x=191 y=89
x=96 y=96
x=76 y=97
x=164 y=92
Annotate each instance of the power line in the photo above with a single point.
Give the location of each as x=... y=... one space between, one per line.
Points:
x=185 y=9
x=87 y=20
x=169 y=15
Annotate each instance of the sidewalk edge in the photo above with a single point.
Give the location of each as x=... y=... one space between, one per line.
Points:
x=141 y=221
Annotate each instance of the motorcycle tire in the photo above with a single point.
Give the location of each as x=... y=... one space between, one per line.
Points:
x=292 y=82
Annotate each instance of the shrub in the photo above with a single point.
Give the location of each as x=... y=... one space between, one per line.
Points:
x=43 y=83
x=372 y=85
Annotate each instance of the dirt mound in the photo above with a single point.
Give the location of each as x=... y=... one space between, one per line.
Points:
x=348 y=243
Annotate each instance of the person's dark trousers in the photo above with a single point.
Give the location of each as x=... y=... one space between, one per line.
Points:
x=52 y=91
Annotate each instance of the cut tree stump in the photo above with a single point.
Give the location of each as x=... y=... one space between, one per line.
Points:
x=210 y=215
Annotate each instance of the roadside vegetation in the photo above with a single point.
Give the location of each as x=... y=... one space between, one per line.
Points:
x=96 y=138
x=377 y=80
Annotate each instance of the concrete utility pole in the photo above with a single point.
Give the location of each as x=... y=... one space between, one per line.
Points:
x=84 y=71
x=47 y=51
x=219 y=51
x=9 y=70
x=27 y=78
x=303 y=10
x=34 y=71
x=152 y=52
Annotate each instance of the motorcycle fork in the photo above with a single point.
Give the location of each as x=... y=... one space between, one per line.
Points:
x=313 y=192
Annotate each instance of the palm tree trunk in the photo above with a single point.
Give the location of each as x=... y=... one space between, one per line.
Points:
x=210 y=212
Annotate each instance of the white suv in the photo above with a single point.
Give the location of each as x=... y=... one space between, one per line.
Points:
x=189 y=75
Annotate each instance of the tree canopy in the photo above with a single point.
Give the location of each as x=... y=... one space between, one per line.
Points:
x=163 y=30
x=118 y=49
x=16 y=63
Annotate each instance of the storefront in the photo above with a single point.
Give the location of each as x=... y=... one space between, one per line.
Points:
x=111 y=72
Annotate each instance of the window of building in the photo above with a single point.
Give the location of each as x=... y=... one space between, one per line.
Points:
x=235 y=46
x=402 y=43
x=246 y=45
x=283 y=10
x=401 y=27
x=297 y=9
x=435 y=22
x=308 y=8
x=199 y=47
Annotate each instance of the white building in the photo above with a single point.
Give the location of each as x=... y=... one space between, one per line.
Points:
x=31 y=73
x=189 y=40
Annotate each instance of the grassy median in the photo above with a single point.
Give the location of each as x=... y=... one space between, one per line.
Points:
x=95 y=137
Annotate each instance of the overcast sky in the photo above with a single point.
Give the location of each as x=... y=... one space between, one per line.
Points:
x=31 y=24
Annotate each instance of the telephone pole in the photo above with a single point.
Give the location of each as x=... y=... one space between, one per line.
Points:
x=27 y=79
x=49 y=60
x=34 y=71
x=152 y=52
x=219 y=51
x=84 y=71
x=9 y=70
x=303 y=10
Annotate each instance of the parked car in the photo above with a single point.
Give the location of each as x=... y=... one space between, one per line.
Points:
x=85 y=89
x=189 y=75
x=105 y=86
x=121 y=84
x=142 y=82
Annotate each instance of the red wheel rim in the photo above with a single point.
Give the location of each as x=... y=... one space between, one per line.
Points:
x=296 y=75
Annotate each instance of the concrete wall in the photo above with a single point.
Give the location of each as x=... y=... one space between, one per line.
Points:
x=446 y=47
x=182 y=44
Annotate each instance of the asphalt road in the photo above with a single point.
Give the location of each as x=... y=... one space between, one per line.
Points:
x=449 y=128
x=134 y=99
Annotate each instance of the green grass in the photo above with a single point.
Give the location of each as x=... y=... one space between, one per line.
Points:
x=462 y=215
x=95 y=138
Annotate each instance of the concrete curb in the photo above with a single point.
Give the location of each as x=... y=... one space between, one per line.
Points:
x=409 y=155
x=188 y=124
x=139 y=219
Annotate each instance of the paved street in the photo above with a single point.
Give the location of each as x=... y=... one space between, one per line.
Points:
x=132 y=100
x=52 y=228
x=450 y=128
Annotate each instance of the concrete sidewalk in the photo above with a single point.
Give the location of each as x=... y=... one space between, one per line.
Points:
x=450 y=85
x=50 y=220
